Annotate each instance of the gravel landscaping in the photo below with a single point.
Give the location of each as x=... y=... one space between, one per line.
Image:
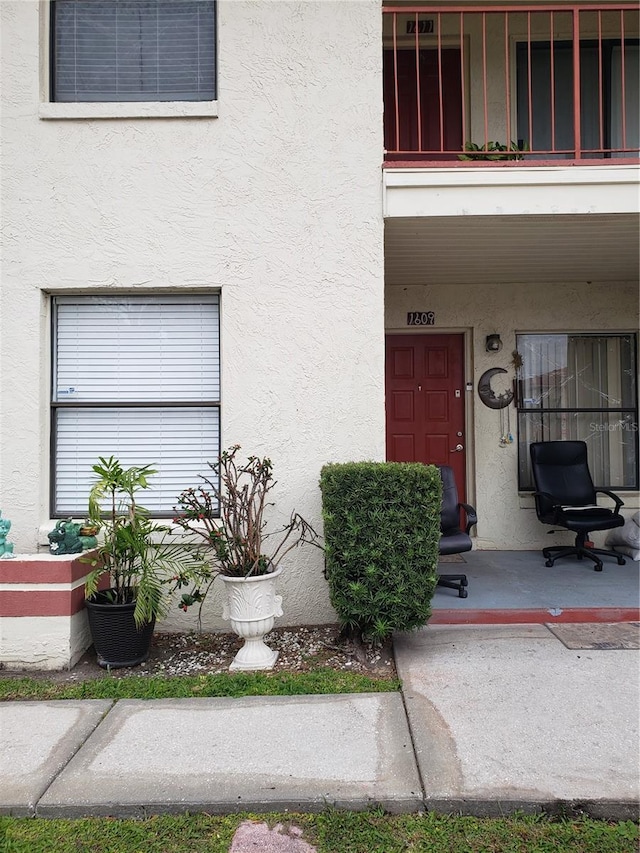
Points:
x=301 y=648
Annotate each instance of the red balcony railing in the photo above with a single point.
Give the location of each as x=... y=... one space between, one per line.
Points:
x=489 y=85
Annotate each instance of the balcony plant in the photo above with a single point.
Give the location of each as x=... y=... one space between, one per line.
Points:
x=127 y=588
x=494 y=151
x=228 y=513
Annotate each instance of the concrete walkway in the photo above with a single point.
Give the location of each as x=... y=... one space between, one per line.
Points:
x=507 y=717
x=492 y=719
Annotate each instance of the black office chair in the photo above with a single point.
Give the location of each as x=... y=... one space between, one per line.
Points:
x=454 y=540
x=566 y=497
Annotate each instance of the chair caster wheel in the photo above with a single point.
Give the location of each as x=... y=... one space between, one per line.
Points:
x=597 y=568
x=549 y=563
x=463 y=593
x=621 y=561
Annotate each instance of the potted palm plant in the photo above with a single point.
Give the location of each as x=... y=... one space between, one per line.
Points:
x=228 y=512
x=127 y=589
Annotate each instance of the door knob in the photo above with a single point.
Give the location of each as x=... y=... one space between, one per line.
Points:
x=457 y=449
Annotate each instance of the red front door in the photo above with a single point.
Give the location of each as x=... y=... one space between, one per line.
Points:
x=425 y=401
x=429 y=103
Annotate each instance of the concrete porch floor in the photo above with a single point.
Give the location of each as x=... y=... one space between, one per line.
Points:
x=507 y=587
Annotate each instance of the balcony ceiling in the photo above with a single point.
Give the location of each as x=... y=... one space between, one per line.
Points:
x=512 y=249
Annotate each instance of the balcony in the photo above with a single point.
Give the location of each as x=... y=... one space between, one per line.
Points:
x=507 y=85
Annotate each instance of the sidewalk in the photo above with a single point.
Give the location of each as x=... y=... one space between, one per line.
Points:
x=492 y=719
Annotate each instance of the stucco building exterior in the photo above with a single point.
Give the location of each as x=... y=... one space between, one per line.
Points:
x=287 y=213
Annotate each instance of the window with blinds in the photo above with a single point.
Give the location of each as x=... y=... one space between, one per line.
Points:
x=137 y=378
x=580 y=386
x=133 y=50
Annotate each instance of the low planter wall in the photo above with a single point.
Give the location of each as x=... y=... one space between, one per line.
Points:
x=43 y=623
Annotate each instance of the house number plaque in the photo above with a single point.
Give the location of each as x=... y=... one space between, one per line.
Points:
x=421 y=318
x=425 y=25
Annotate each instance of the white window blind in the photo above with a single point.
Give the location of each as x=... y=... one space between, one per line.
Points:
x=133 y=50
x=120 y=353
x=137 y=350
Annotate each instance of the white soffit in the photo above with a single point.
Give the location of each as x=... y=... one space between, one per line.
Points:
x=511 y=249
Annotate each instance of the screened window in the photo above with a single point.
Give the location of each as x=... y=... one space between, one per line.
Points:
x=133 y=50
x=579 y=386
x=138 y=378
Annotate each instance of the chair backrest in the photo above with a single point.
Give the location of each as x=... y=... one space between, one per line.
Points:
x=449 y=513
x=560 y=468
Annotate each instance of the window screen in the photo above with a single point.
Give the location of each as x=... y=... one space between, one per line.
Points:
x=133 y=50
x=138 y=379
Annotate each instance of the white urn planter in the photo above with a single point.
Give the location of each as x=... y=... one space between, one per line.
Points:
x=252 y=606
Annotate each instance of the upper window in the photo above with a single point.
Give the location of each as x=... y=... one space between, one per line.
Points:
x=133 y=50
x=137 y=378
x=581 y=386
x=609 y=97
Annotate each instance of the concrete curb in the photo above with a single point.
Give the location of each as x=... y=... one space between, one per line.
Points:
x=477 y=807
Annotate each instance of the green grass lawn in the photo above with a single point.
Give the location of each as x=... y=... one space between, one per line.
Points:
x=322 y=680
x=331 y=832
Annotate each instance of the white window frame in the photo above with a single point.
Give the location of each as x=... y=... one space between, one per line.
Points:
x=52 y=110
x=161 y=405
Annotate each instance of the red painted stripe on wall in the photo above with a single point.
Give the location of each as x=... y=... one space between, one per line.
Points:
x=44 y=571
x=59 y=602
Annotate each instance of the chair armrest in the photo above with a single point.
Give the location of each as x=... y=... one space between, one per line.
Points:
x=552 y=498
x=557 y=508
x=472 y=518
x=613 y=497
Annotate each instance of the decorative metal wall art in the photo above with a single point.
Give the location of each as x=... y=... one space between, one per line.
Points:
x=488 y=395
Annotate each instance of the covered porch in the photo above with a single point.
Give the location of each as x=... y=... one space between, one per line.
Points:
x=532 y=256
x=515 y=587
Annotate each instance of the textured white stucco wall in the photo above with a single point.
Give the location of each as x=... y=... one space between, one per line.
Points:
x=506 y=518
x=276 y=203
x=43 y=642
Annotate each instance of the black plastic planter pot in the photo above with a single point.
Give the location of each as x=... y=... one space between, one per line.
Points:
x=118 y=641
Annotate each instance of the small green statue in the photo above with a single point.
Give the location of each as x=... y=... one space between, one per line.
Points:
x=65 y=538
x=5 y=527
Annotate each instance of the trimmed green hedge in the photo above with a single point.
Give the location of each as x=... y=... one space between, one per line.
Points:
x=382 y=529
